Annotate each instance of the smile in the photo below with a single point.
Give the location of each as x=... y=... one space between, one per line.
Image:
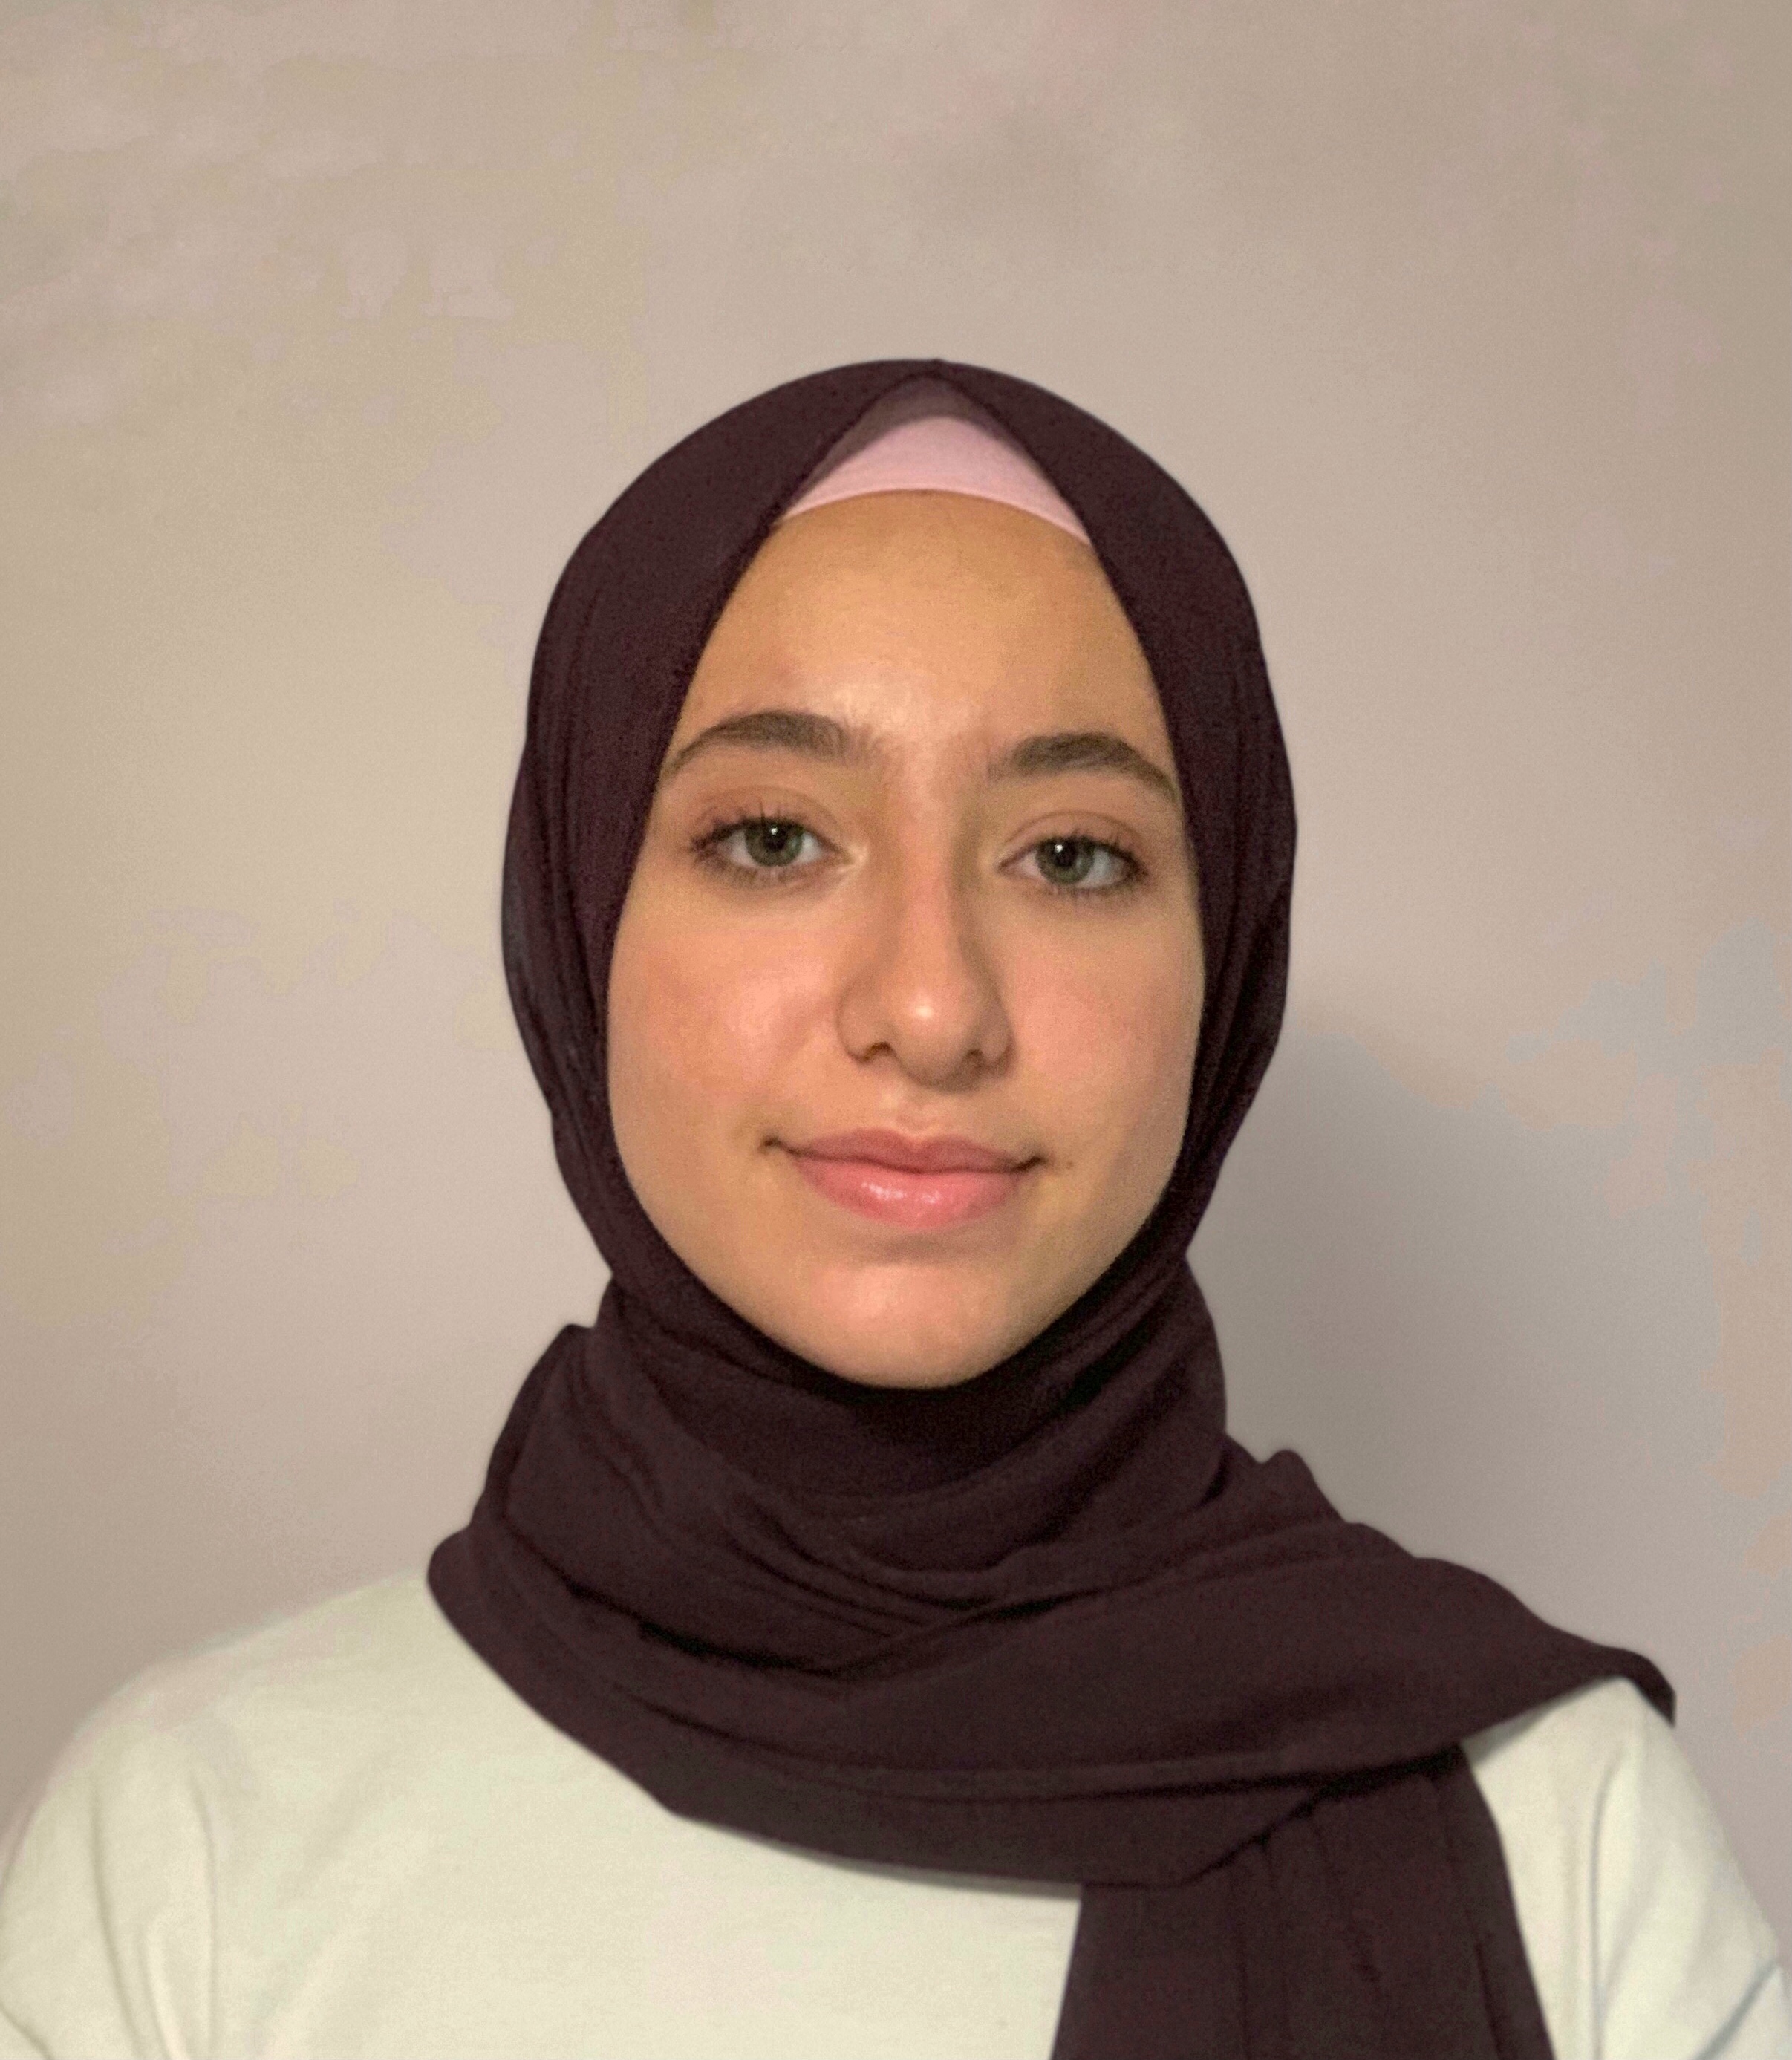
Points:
x=918 y=1184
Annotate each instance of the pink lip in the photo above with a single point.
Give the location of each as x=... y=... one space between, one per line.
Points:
x=921 y=1184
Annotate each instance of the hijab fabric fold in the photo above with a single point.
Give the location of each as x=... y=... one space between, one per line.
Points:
x=1053 y=1623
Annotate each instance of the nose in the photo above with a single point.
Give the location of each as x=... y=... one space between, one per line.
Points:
x=923 y=986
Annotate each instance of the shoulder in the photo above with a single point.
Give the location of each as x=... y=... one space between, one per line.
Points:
x=333 y=1676
x=1642 y=1932
x=110 y=1878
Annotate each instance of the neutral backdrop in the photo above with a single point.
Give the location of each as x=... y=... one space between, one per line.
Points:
x=329 y=325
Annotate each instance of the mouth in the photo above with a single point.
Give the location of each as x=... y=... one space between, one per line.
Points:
x=915 y=1183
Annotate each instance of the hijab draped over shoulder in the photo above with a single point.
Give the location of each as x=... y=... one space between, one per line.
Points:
x=1052 y=1624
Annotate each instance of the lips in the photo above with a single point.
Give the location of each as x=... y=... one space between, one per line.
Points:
x=915 y=1183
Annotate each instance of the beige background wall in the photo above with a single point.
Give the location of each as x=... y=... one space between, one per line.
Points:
x=328 y=326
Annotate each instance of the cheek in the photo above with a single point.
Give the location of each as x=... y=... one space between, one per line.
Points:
x=704 y=1022
x=1110 y=1037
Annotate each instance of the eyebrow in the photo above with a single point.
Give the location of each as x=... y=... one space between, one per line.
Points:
x=846 y=743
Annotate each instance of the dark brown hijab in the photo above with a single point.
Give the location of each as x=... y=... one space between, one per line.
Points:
x=1052 y=1624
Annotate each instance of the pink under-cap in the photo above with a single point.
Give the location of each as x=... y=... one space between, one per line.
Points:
x=927 y=437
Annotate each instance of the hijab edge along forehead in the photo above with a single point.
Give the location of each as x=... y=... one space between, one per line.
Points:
x=611 y=677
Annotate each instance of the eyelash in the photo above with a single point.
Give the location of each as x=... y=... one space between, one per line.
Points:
x=706 y=847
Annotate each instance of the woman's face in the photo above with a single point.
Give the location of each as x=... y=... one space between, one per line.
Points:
x=915 y=875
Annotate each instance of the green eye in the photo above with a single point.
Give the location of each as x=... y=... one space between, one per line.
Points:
x=1072 y=863
x=753 y=848
x=1067 y=861
x=770 y=842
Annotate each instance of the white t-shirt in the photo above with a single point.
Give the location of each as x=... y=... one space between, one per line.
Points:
x=342 y=1835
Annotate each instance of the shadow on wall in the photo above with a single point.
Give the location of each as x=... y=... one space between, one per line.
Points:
x=1440 y=1309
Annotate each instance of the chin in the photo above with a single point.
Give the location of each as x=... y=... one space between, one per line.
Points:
x=878 y=1374
x=918 y=1323
x=895 y=1350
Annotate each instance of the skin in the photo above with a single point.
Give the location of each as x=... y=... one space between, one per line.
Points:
x=921 y=947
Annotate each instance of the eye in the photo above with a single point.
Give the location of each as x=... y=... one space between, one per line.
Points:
x=758 y=844
x=1083 y=865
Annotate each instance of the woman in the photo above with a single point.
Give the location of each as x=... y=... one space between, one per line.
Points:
x=869 y=1641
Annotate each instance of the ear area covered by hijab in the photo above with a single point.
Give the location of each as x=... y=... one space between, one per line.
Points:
x=1073 y=1631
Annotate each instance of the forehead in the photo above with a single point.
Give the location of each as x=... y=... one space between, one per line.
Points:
x=910 y=604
